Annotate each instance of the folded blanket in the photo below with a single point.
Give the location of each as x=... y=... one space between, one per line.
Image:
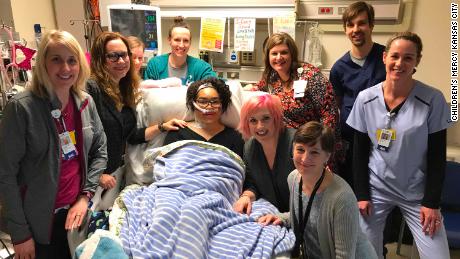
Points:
x=187 y=212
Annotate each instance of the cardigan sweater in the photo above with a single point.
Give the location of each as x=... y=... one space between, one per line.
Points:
x=30 y=161
x=339 y=233
x=197 y=69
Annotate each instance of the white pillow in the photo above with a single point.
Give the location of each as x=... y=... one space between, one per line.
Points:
x=167 y=82
x=161 y=105
x=164 y=104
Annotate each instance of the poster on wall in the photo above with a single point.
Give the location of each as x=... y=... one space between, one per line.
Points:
x=245 y=34
x=212 y=34
x=284 y=24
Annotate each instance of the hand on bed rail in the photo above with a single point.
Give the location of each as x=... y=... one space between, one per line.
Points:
x=77 y=213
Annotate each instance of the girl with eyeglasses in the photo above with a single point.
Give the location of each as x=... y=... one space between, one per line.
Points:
x=208 y=99
x=114 y=87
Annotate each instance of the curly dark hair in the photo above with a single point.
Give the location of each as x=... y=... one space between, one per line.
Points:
x=222 y=89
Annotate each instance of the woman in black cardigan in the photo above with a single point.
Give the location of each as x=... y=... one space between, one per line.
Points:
x=114 y=88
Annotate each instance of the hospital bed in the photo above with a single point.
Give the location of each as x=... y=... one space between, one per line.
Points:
x=178 y=199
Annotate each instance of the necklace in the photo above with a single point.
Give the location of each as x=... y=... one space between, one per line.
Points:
x=286 y=85
x=285 y=81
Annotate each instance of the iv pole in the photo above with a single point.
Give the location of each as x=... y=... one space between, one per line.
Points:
x=86 y=29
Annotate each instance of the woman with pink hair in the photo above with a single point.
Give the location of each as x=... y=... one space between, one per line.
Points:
x=267 y=153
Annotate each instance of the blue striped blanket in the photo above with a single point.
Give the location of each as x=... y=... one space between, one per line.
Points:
x=187 y=212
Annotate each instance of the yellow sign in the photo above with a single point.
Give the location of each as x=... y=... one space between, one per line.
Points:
x=284 y=24
x=212 y=34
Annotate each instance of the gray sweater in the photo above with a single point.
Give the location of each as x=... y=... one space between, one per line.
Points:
x=339 y=233
x=30 y=162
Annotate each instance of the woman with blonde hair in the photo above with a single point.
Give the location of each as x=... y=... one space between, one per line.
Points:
x=137 y=49
x=399 y=155
x=52 y=151
x=114 y=86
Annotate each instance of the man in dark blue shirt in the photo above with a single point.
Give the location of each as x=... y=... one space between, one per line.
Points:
x=360 y=68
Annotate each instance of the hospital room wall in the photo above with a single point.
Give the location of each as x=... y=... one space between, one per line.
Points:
x=431 y=20
x=26 y=13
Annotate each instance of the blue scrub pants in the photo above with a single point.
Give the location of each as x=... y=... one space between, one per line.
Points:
x=373 y=225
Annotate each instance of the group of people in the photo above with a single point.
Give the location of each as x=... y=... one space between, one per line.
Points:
x=372 y=123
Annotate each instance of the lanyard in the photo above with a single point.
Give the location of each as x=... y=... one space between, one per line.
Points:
x=57 y=115
x=389 y=116
x=304 y=219
x=61 y=121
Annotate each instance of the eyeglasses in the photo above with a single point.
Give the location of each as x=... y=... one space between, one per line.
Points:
x=115 y=56
x=203 y=103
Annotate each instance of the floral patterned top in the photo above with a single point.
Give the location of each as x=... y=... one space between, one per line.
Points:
x=317 y=104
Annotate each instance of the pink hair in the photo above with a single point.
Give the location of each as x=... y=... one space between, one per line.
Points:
x=268 y=101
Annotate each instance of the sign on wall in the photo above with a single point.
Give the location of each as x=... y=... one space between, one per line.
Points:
x=284 y=24
x=244 y=34
x=212 y=34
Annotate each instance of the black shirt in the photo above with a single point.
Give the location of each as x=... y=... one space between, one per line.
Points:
x=265 y=183
x=228 y=138
x=119 y=126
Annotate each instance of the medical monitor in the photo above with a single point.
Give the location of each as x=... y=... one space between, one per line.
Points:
x=142 y=21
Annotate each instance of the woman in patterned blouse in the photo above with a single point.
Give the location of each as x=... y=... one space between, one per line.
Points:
x=305 y=93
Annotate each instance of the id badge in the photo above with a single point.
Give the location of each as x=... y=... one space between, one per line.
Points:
x=299 y=88
x=68 y=148
x=384 y=139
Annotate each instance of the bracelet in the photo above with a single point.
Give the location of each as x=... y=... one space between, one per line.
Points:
x=161 y=127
